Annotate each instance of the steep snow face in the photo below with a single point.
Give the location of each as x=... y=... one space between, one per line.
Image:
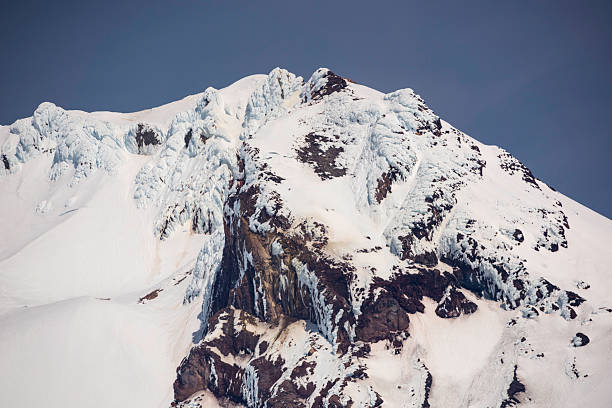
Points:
x=339 y=245
x=190 y=175
x=267 y=101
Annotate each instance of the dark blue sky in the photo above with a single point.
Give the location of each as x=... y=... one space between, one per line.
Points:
x=531 y=76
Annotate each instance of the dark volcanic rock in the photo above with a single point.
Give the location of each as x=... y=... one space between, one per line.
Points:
x=580 y=340
x=268 y=372
x=290 y=395
x=321 y=154
x=428 y=382
x=150 y=296
x=334 y=83
x=204 y=368
x=200 y=223
x=235 y=364
x=454 y=304
x=146 y=136
x=512 y=165
x=382 y=319
x=518 y=235
x=188 y=137
x=515 y=387
x=384 y=184
x=386 y=310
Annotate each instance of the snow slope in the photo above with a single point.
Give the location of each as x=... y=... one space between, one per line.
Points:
x=76 y=259
x=288 y=242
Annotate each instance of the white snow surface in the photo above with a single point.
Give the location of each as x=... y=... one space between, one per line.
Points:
x=90 y=228
x=79 y=252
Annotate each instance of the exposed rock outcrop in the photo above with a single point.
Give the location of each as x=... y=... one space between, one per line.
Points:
x=580 y=340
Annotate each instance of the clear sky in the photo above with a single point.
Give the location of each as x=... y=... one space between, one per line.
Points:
x=531 y=76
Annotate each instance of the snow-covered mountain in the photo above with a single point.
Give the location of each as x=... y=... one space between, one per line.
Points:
x=283 y=242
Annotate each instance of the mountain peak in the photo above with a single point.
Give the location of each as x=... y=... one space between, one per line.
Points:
x=299 y=243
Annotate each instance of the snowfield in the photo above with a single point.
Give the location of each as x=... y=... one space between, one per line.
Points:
x=291 y=242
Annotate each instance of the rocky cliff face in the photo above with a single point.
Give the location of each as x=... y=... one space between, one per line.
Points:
x=358 y=250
